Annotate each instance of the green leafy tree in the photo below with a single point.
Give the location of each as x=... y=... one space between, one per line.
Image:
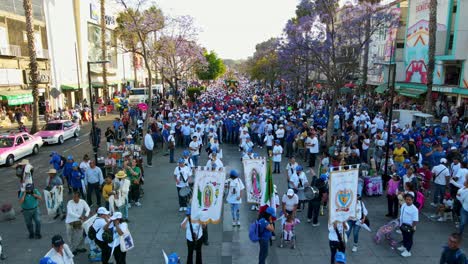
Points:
x=264 y=66
x=213 y=69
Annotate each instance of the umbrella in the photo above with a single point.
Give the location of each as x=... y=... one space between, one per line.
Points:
x=142 y=106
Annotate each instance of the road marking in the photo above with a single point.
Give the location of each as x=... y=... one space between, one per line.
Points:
x=85 y=141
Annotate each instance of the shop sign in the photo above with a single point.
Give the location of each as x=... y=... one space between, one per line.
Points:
x=95 y=15
x=11 y=77
x=43 y=77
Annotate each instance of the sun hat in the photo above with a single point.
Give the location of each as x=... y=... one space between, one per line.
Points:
x=121 y=174
x=24 y=162
x=102 y=210
x=52 y=171
x=116 y=215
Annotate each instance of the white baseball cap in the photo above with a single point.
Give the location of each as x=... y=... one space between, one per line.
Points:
x=102 y=210
x=290 y=192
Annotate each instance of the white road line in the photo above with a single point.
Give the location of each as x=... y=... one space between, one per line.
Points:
x=85 y=141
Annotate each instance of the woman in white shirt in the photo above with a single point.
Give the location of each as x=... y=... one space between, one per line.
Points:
x=409 y=217
x=336 y=233
x=193 y=234
x=291 y=169
x=234 y=187
x=118 y=228
x=356 y=221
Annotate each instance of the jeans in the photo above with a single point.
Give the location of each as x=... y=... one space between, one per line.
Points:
x=439 y=192
x=235 y=212
x=149 y=157
x=463 y=220
x=313 y=211
x=171 y=156
x=195 y=160
x=312 y=157
x=186 y=140
x=333 y=249
x=289 y=149
x=392 y=204
x=277 y=167
x=407 y=240
x=264 y=244
x=93 y=187
x=124 y=209
x=355 y=228
x=75 y=237
x=197 y=246
x=30 y=216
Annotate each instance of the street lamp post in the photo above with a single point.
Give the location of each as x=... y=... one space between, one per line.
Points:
x=391 y=89
x=93 y=123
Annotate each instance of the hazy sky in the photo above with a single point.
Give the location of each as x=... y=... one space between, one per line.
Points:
x=232 y=28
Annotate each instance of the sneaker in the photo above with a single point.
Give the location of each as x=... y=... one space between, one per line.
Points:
x=149 y=166
x=129 y=206
x=38 y=236
x=238 y=223
x=315 y=225
x=401 y=248
x=252 y=208
x=441 y=219
x=138 y=204
x=273 y=238
x=309 y=220
x=406 y=254
x=433 y=205
x=433 y=215
x=354 y=249
x=234 y=223
x=181 y=209
x=184 y=209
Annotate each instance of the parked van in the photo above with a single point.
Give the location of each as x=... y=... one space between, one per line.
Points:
x=413 y=118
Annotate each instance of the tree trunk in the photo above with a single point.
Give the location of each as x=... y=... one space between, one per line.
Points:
x=104 y=51
x=431 y=62
x=331 y=114
x=34 y=73
x=365 y=66
x=135 y=81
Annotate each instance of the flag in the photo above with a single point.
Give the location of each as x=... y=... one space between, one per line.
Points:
x=268 y=195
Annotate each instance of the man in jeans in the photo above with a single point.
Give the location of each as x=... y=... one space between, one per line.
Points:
x=29 y=201
x=442 y=178
x=94 y=180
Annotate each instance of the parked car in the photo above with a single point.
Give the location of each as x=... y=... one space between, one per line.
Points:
x=15 y=145
x=58 y=131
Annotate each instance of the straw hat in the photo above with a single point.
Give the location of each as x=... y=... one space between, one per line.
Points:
x=120 y=175
x=24 y=162
x=52 y=171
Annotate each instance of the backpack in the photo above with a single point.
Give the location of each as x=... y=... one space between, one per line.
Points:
x=92 y=233
x=460 y=253
x=20 y=171
x=254 y=231
x=63 y=161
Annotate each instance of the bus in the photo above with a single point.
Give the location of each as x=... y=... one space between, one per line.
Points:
x=140 y=95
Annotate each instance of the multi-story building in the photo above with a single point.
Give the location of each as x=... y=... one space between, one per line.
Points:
x=14 y=57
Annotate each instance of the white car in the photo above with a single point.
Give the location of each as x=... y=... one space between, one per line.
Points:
x=58 y=131
x=15 y=145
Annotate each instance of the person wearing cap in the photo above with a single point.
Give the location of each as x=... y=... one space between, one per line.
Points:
x=340 y=258
x=234 y=187
x=60 y=253
x=94 y=179
x=194 y=148
x=134 y=176
x=289 y=202
x=336 y=235
x=269 y=140
x=55 y=181
x=77 y=179
x=280 y=132
x=67 y=169
x=193 y=234
x=182 y=176
x=298 y=182
x=102 y=220
x=277 y=153
x=171 y=144
x=77 y=212
x=441 y=175
x=118 y=226
x=214 y=161
x=266 y=227
x=122 y=188
x=56 y=161
x=29 y=201
x=26 y=175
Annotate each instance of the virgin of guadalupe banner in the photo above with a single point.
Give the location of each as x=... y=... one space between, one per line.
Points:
x=207 y=197
x=53 y=199
x=343 y=194
x=255 y=183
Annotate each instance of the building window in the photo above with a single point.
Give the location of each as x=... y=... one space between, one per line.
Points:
x=451 y=41
x=454 y=9
x=400 y=45
x=452 y=74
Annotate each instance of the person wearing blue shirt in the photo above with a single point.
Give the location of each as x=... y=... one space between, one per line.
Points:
x=426 y=151
x=75 y=179
x=265 y=222
x=67 y=170
x=438 y=154
x=56 y=162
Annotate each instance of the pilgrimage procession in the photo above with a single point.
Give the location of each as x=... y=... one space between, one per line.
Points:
x=297 y=154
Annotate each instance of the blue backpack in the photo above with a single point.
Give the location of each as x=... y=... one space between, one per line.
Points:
x=254 y=231
x=458 y=254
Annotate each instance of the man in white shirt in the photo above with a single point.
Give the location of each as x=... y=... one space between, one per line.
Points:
x=60 y=253
x=314 y=150
x=77 y=211
x=277 y=152
x=101 y=221
x=214 y=162
x=194 y=148
x=409 y=217
x=291 y=169
x=442 y=177
x=280 y=134
x=268 y=140
x=234 y=186
x=171 y=143
x=290 y=201
x=182 y=176
x=149 y=145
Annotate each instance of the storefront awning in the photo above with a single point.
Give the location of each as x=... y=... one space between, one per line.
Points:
x=381 y=88
x=69 y=87
x=411 y=92
x=17 y=97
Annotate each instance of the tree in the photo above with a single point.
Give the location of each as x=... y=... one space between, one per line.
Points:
x=33 y=71
x=104 y=51
x=145 y=24
x=213 y=69
x=263 y=66
x=432 y=48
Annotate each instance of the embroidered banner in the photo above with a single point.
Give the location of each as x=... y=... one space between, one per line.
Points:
x=53 y=199
x=255 y=182
x=343 y=194
x=207 y=197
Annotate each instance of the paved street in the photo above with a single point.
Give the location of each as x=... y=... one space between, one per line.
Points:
x=155 y=226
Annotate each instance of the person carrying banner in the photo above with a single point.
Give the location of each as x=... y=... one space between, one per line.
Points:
x=234 y=187
x=356 y=221
x=55 y=181
x=336 y=233
x=77 y=211
x=193 y=234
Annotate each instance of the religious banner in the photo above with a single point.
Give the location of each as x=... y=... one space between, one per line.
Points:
x=343 y=194
x=53 y=199
x=255 y=182
x=207 y=197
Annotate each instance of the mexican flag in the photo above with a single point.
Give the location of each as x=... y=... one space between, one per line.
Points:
x=268 y=195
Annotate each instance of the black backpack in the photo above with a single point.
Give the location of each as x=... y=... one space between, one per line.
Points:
x=92 y=233
x=64 y=160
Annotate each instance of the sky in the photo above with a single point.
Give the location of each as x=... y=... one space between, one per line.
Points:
x=232 y=28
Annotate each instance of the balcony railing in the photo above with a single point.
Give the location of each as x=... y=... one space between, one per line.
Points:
x=11 y=50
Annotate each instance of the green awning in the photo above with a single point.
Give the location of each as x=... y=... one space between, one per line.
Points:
x=100 y=84
x=411 y=92
x=17 y=97
x=345 y=90
x=69 y=87
x=381 y=88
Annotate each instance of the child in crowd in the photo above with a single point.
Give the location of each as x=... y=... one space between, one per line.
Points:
x=445 y=207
